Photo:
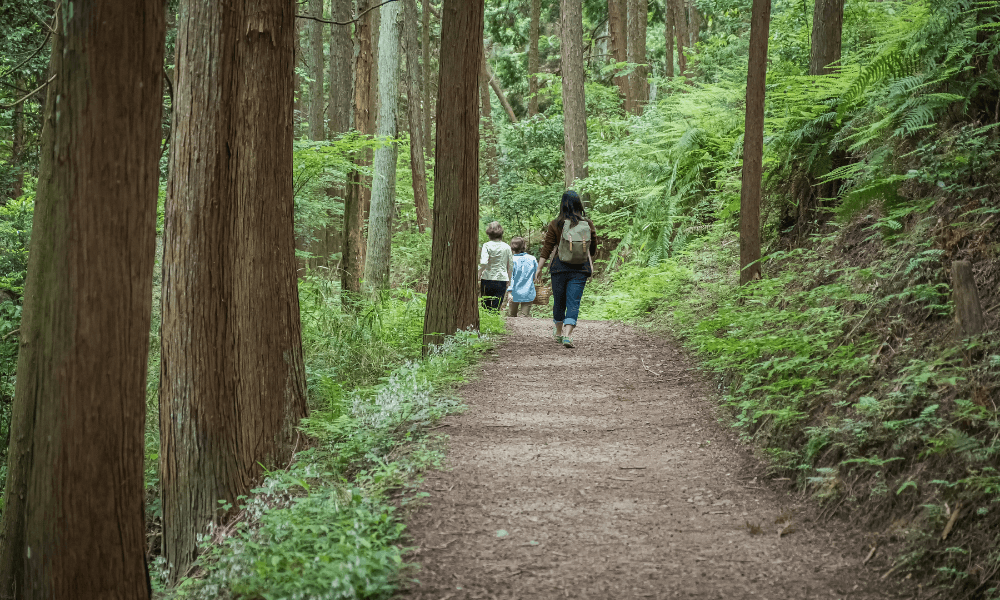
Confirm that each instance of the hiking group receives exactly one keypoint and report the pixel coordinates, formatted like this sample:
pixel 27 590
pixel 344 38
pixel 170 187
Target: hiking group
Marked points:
pixel 511 273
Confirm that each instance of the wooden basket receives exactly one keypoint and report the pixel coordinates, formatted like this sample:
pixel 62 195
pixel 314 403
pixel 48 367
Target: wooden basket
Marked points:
pixel 542 295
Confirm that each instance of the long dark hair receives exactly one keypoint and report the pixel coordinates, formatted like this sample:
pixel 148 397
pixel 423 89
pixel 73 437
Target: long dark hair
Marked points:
pixel 571 207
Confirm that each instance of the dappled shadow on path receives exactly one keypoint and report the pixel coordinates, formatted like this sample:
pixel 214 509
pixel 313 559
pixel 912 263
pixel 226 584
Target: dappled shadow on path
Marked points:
pixel 600 472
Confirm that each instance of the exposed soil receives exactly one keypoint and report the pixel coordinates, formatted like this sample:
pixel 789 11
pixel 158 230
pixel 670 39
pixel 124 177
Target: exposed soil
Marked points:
pixel 602 472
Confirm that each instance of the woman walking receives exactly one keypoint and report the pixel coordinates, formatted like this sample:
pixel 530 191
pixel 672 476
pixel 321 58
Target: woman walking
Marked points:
pixel 574 238
pixel 496 264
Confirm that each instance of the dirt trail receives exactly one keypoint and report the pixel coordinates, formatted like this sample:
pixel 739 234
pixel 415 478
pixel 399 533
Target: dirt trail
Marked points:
pixel 600 472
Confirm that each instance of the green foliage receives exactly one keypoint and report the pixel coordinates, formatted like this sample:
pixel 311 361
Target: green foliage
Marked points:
pixel 15 233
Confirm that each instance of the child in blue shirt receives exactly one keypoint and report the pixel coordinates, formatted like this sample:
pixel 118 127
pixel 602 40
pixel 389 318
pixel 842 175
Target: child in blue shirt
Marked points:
pixel 522 281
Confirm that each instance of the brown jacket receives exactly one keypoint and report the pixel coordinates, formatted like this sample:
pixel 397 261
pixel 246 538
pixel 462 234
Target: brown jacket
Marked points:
pixel 552 234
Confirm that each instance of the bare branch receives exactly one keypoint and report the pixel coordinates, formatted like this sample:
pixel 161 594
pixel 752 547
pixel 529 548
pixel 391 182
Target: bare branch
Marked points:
pixel 354 20
pixel 28 95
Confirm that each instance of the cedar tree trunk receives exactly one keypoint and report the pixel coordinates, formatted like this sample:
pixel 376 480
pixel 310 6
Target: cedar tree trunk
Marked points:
pixel 74 523
pixel 753 143
pixel 681 31
pixel 384 183
pixel 232 381
pixel 426 47
pixel 828 25
pixel 638 13
pixel 617 19
pixel 316 98
pixel 533 62
pixel 668 36
pixel 414 115
pixel 352 263
pixel 452 295
pixel 574 105
pixel 489 136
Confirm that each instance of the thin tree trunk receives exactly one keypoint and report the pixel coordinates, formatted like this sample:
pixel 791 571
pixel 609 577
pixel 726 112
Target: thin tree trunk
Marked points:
pixel 73 522
pixel 668 35
pixel 617 19
pixel 681 31
pixel 495 84
pixel 17 150
pixel 415 116
pixel 384 183
pixel 375 19
pixel 299 109
pixel 487 120
pixel 451 294
pixel 232 381
pixel 426 46
pixel 695 17
pixel 316 97
pixel 827 34
pixel 533 62
pixel 638 14
pixel 753 143
pixel 574 105
pixel 353 259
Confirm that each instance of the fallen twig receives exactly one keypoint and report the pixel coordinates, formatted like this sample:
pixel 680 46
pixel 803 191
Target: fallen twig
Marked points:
pixel 648 369
pixel 951 522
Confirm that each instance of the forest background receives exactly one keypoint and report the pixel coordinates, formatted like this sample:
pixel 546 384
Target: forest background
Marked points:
pixel 841 362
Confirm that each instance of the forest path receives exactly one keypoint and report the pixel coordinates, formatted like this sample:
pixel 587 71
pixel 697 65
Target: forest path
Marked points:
pixel 601 472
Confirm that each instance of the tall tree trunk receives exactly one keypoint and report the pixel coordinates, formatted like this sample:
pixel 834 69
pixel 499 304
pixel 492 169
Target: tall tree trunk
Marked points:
pixel 574 105
pixel 753 143
pixel 827 33
pixel 695 17
pixel 384 184
pixel 74 523
pixel 495 84
pixel 617 20
pixel 316 97
pixel 638 14
pixel 338 114
pixel 451 294
pixel 487 120
pixel 668 36
pixel 533 62
pixel 353 258
pixel 300 109
pixel 681 31
pixel 375 18
pixel 232 381
pixel 426 47
pixel 414 115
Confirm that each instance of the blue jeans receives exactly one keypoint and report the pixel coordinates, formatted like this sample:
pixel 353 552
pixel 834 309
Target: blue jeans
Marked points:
pixel 567 290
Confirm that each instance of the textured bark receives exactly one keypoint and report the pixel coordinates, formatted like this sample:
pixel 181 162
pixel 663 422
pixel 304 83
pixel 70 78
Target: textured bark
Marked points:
pixel 352 263
pixel 489 135
pixel 968 311
pixel 681 31
pixel 232 381
pixel 695 18
pixel 384 183
pixel 574 105
pixel 668 35
pixel 451 295
pixel 338 113
pixel 753 143
pixel 426 46
pixel 617 19
pixel 316 97
pixel 827 33
pixel 74 524
pixel 495 84
pixel 534 26
pixel 638 14
pixel 414 115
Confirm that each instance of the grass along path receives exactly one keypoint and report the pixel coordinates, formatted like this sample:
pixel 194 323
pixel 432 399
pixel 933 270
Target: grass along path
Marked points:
pixel 601 472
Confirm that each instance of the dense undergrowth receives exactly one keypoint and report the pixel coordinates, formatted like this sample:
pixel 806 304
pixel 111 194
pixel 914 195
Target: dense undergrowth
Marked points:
pixel 842 363
pixel 329 525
